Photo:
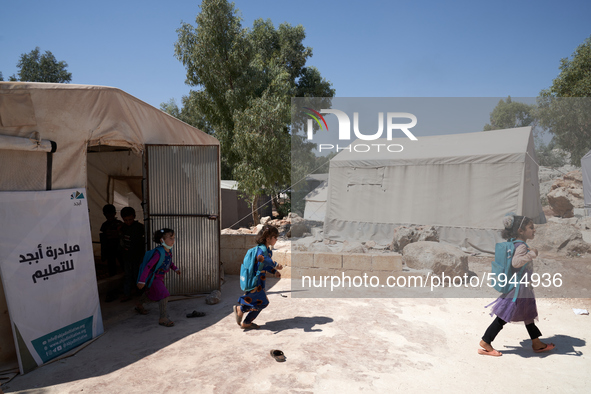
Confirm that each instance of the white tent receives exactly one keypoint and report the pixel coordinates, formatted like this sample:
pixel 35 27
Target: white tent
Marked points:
pixel 123 151
pixel 463 184
pixel 586 169
pixel 315 208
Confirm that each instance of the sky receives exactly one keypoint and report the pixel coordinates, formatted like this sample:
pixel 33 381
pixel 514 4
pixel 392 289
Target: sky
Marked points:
pixel 365 48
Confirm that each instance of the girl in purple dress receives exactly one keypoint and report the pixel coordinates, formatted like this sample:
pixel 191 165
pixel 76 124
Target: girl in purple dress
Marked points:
pixel 253 302
pixel 158 292
pixel 520 228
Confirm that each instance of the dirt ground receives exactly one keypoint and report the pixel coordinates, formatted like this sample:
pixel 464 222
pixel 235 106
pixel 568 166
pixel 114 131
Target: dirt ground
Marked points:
pixel 332 345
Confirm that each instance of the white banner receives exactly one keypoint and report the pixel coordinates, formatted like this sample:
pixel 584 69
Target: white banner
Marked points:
pixel 48 273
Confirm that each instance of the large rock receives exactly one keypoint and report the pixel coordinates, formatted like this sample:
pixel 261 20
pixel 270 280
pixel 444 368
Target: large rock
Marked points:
pixel 298 226
pixel 404 235
pixel 559 237
pixel 440 258
pixel 352 247
pixel 566 194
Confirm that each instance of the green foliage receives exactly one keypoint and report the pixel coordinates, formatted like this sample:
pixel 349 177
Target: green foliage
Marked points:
pixel 37 67
pixel 245 79
pixel 549 156
pixel 565 108
pixel 509 114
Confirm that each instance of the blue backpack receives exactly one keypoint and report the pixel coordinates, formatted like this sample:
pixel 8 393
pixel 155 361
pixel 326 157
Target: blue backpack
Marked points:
pixel 147 258
pixel 249 273
pixel 504 252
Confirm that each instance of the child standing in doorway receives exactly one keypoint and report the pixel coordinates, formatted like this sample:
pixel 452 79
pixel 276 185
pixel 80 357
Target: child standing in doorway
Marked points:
pixel 520 229
pixel 133 248
pixel 158 265
pixel 254 301
pixel 109 236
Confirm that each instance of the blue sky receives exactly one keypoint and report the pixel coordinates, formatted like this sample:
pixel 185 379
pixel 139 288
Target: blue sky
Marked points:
pixel 365 48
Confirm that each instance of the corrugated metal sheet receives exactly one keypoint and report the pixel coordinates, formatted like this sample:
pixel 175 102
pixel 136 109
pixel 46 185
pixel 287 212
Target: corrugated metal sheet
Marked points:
pixel 183 193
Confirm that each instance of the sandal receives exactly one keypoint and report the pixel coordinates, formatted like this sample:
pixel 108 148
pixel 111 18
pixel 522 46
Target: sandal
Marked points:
pixel 252 326
pixel 548 347
pixel 238 318
pixel 196 314
pixel 278 355
pixel 141 310
pixel 168 323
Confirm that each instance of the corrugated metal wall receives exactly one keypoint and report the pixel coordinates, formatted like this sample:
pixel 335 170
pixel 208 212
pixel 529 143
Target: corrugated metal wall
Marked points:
pixel 182 192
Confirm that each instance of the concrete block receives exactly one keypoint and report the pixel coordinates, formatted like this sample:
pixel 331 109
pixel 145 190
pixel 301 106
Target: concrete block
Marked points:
pixel 232 241
pixel 357 261
pixel 249 240
pixel 386 262
pixel 286 272
pixel 302 259
pixel 328 260
pixel 282 257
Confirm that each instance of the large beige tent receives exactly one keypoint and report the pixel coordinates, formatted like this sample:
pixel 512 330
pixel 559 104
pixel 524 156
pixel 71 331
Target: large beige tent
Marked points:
pixel 123 151
pixel 463 184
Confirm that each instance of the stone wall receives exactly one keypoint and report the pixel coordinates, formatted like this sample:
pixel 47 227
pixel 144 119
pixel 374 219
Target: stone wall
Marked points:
pixel 234 247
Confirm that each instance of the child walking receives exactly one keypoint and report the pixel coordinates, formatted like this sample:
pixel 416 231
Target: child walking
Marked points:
pixel 254 301
pixel 521 229
pixel 157 291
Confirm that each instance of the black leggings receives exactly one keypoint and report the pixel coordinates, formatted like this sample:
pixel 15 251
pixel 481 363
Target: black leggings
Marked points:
pixel 497 325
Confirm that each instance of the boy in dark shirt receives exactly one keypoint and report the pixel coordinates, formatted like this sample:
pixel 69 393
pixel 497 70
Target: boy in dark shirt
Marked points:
pixel 134 248
pixel 109 236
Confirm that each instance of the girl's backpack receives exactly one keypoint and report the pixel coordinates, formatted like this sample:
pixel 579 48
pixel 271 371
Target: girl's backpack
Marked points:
pixel 147 258
pixel 504 252
pixel 249 273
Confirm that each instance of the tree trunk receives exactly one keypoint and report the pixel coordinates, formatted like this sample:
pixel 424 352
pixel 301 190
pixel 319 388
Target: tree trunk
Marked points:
pixel 255 210
pixel 276 204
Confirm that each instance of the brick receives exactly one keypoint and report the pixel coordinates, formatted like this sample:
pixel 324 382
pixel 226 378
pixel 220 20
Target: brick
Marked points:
pixel 282 257
pixel 357 261
pixel 249 240
pixel 328 260
pixel 299 259
pixel 286 272
pixel 386 262
pixel 232 241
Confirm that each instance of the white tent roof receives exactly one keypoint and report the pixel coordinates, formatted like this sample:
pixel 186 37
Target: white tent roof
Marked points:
pixel 80 116
pixel 462 183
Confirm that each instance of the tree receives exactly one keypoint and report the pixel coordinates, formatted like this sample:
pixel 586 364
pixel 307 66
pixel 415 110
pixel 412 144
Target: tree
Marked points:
pixel 509 114
pixel 1 77
pixel 36 67
pixel 565 107
pixel 246 78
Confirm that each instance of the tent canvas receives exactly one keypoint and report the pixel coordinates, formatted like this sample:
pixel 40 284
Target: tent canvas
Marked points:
pixel 101 134
pixel 315 208
pixel 463 184
pixel 586 170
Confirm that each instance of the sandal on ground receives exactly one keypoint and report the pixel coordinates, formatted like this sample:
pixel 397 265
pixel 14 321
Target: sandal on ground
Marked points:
pixel 252 326
pixel 196 314
pixel 494 353
pixel 238 318
pixel 141 310
pixel 278 355
pixel 548 347
pixel 168 323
